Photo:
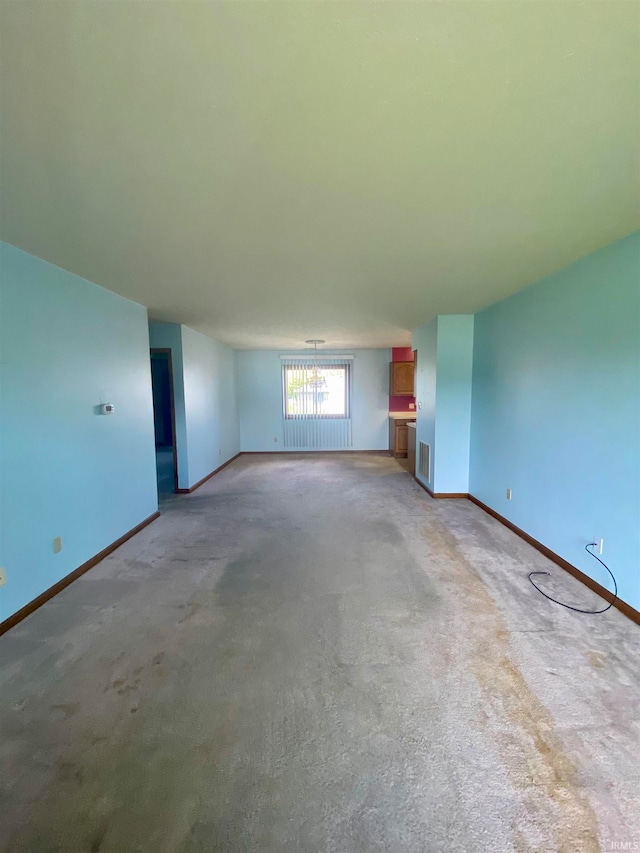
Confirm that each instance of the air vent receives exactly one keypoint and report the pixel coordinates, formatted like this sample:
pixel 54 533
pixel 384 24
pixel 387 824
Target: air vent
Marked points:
pixel 424 461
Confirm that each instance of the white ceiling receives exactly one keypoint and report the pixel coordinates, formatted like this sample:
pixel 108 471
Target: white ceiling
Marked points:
pixel 271 172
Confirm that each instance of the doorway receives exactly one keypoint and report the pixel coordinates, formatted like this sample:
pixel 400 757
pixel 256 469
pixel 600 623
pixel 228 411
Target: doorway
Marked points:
pixel 164 421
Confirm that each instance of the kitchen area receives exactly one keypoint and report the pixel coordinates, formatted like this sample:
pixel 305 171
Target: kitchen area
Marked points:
pixel 402 407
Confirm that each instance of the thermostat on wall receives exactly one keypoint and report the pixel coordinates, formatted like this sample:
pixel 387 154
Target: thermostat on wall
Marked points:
pixel 107 408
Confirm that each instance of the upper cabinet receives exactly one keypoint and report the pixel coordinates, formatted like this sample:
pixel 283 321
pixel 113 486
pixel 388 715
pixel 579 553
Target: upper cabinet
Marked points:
pixel 401 379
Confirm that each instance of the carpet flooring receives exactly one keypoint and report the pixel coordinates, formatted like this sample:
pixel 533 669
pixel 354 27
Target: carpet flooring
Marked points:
pixel 310 654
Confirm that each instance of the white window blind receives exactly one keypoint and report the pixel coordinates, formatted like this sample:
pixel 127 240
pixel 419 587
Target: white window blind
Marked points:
pixel 316 401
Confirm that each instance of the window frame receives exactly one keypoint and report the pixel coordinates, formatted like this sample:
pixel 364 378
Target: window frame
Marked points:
pixel 345 366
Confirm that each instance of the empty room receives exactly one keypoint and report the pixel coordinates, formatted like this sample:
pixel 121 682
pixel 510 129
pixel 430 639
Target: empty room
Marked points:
pixel 319 426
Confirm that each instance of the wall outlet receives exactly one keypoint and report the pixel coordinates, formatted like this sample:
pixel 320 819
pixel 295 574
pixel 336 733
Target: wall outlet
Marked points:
pixel 599 545
pixel 219 451
pixel 509 493
pixel 275 440
pixel 57 545
pixel 412 405
pixel 3 576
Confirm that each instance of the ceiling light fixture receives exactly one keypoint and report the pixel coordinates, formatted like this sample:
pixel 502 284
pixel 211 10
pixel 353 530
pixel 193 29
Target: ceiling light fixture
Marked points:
pixel 315 342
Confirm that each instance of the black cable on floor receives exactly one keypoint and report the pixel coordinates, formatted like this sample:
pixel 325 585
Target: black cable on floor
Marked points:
pixel 577 609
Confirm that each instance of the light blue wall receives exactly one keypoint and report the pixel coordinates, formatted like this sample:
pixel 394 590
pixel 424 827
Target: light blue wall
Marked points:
pixel 453 402
pixel 204 378
pixel 445 362
pixel 556 411
pixel 169 336
pixel 66 346
pixel 260 399
pixel 370 399
pixel 213 432
pixel 425 341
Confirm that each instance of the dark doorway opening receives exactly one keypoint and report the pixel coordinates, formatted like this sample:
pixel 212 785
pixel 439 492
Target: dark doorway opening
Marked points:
pixel 164 421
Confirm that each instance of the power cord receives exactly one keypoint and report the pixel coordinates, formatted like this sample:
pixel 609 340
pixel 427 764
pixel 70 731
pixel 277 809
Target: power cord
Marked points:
pixel 577 609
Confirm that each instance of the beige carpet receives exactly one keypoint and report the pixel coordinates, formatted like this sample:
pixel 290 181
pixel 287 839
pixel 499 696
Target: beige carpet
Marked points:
pixel 310 654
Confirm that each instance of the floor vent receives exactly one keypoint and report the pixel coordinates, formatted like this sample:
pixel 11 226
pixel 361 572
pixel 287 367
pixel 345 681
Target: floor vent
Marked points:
pixel 424 461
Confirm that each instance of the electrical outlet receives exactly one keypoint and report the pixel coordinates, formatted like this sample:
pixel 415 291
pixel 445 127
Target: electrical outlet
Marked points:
pixel 3 576
pixel 509 494
pixel 57 545
pixel 599 546
pixel 275 440
pixel 220 451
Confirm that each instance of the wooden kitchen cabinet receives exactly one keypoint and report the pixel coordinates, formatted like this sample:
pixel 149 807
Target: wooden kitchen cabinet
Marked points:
pixel 401 379
pixel 402 439
pixel 399 436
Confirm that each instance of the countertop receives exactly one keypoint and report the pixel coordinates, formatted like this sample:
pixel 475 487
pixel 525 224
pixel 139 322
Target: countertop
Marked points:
pixel 395 415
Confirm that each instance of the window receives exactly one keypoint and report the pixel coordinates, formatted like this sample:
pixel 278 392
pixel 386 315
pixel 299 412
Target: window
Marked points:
pixel 316 391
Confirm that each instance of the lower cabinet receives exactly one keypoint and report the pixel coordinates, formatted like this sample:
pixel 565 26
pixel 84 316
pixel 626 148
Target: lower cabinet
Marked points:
pixel 399 436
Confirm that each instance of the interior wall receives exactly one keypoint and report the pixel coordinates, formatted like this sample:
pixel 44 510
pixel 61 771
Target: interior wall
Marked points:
pixel 454 348
pixel 260 399
pixel 556 412
pixel 425 341
pixel 213 431
pixel 204 377
pixel 66 346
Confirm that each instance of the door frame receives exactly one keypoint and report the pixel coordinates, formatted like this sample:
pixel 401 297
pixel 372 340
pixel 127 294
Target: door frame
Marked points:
pixel 167 351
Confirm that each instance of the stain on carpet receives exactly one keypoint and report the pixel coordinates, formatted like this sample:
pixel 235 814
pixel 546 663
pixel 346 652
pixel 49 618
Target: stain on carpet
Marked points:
pixel 532 752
